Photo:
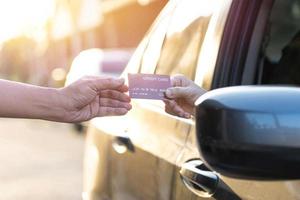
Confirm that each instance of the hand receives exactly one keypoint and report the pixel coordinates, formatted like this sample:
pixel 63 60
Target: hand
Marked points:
pixel 180 98
pixel 92 97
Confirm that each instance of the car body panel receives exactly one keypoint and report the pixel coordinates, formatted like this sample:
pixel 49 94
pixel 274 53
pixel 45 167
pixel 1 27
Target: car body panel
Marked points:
pixel 162 143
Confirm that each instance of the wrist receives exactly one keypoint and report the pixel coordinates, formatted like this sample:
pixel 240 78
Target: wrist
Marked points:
pixel 54 106
pixel 63 105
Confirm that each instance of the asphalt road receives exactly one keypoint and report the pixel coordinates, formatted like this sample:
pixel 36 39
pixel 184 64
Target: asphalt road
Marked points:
pixel 39 160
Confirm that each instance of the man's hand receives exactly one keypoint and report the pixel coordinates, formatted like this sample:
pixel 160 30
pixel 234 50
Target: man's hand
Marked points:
pixel 180 98
pixel 92 97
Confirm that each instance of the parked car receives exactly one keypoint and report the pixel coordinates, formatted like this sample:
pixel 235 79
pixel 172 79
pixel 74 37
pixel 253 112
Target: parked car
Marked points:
pixel 150 155
pixel 99 62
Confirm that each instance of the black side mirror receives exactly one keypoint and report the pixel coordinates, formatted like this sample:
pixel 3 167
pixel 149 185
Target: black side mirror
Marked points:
pixel 250 132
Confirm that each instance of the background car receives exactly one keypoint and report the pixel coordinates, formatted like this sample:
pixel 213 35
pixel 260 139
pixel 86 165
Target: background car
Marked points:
pixel 149 154
pixel 99 62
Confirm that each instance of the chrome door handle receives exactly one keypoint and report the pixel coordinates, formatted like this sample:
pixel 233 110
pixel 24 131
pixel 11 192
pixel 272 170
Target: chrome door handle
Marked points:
pixel 205 183
pixel 199 179
pixel 122 144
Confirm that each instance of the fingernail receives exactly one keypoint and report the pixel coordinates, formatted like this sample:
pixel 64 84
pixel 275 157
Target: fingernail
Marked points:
pixel 124 111
pixel 128 99
pixel 128 106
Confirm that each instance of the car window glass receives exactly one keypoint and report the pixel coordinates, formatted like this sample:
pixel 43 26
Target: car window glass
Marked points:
pixel 282 52
pixel 177 50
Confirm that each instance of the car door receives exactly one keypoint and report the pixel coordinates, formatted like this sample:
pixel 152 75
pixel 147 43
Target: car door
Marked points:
pixel 158 136
pixel 136 156
pixel 260 45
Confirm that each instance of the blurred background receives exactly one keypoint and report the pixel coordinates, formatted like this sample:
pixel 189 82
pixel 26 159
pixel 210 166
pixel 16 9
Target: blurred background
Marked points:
pixel 39 41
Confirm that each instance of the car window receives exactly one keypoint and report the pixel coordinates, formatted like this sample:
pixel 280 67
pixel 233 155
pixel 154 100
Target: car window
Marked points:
pixel 282 52
pixel 177 50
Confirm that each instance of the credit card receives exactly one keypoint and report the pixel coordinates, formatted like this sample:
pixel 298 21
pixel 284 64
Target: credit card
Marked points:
pixel 148 86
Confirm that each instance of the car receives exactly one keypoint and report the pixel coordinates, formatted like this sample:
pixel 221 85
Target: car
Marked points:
pixel 99 62
pixel 237 50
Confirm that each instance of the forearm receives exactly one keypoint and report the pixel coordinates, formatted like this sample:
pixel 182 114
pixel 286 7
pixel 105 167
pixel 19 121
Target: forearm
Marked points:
pixel 18 100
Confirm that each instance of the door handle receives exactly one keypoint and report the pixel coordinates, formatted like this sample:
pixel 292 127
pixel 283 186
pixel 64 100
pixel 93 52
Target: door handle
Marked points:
pixel 199 179
pixel 122 144
pixel 205 183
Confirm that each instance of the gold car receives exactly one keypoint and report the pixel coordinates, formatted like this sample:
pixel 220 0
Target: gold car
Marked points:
pixel 216 43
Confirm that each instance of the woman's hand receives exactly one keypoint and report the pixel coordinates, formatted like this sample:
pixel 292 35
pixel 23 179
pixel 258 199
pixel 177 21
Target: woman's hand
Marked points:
pixel 92 97
pixel 180 98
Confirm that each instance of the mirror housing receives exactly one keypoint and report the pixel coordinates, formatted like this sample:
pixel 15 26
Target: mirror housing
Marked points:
pixel 250 132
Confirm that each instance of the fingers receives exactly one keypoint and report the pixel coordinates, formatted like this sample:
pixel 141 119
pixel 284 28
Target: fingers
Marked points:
pixel 184 88
pixel 105 83
pixel 176 92
pixel 123 88
pixel 107 102
pixel 113 94
pixel 180 85
pixel 109 111
pixel 173 108
pixel 180 80
pixel 113 103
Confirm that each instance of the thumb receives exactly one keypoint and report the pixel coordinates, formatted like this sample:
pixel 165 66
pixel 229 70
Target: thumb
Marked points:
pixel 176 92
pixel 108 83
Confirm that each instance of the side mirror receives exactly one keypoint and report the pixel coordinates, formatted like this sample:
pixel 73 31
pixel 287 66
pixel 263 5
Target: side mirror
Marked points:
pixel 250 132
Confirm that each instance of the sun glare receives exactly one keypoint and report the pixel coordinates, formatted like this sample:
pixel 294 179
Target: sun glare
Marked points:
pixel 18 17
